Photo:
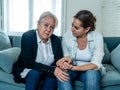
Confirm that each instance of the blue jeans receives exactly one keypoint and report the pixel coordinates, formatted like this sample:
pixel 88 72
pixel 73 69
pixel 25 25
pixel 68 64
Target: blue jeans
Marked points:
pixel 91 80
pixel 33 81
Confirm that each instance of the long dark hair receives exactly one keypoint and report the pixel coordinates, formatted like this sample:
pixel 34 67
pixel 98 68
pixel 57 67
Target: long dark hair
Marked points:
pixel 87 19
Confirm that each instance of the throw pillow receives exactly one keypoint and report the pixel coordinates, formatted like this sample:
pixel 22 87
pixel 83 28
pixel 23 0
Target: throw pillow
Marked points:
pixel 4 41
pixel 115 57
pixel 8 57
pixel 106 58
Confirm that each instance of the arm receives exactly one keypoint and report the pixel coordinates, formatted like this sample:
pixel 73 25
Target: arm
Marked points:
pixel 58 72
pixel 66 66
pixel 84 67
pixel 97 51
pixel 66 50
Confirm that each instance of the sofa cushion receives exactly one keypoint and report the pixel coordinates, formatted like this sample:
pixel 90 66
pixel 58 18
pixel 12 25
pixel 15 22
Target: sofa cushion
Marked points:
pixel 8 79
pixel 107 56
pixel 4 41
pixel 112 76
pixel 107 79
pixel 115 57
pixel 8 57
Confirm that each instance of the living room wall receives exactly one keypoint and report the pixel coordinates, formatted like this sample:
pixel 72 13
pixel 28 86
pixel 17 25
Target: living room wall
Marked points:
pixel 111 18
pixel 107 13
pixel 73 6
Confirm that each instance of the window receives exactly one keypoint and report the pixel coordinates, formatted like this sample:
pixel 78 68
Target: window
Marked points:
pixel 22 15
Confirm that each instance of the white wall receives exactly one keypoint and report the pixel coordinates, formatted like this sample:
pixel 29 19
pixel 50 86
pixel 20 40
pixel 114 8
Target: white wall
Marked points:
pixel 111 18
pixel 73 6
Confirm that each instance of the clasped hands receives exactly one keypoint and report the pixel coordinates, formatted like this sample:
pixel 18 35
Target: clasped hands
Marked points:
pixel 63 65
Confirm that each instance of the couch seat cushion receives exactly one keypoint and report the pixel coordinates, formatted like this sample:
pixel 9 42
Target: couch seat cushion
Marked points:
pixel 8 79
pixel 8 57
pixel 4 41
pixel 112 76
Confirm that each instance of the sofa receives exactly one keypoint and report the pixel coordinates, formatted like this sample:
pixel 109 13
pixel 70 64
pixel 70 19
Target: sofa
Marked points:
pixel 10 50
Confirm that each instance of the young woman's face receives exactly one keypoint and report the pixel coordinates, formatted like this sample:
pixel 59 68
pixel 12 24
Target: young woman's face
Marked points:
pixel 77 29
pixel 46 28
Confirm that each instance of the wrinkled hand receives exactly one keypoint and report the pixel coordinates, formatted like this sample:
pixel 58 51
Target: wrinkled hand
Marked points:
pixel 63 60
pixel 60 74
pixel 66 66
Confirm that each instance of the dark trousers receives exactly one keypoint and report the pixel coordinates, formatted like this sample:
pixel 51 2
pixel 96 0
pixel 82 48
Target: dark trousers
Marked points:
pixel 34 78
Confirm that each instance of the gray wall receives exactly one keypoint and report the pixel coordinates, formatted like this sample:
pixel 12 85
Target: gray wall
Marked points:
pixel 111 18
pixel 73 6
pixel 107 13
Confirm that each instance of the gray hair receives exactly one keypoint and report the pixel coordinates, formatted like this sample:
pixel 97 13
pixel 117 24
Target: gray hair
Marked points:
pixel 47 13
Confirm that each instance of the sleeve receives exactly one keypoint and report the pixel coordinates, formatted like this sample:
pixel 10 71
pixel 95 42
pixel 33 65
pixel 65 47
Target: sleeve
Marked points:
pixel 66 44
pixel 98 51
pixel 59 52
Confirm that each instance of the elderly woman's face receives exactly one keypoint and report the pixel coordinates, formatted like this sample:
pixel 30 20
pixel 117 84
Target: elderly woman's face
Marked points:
pixel 46 28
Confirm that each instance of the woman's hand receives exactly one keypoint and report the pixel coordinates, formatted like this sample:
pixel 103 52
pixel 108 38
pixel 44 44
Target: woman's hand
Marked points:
pixel 66 66
pixel 61 74
pixel 64 61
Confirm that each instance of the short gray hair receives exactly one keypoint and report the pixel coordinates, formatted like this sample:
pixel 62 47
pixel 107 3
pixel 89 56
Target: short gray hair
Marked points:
pixel 47 13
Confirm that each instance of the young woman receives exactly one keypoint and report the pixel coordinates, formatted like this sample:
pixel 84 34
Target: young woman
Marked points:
pixel 83 51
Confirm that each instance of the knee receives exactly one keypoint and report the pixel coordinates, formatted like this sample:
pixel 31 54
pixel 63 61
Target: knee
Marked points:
pixel 34 74
pixel 93 77
pixel 64 85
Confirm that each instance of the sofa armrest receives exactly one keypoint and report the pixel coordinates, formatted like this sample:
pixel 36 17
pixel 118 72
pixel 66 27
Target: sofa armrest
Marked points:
pixel 8 57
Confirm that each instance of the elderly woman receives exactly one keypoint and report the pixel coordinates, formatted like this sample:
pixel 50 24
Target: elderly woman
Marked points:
pixel 40 50
pixel 84 49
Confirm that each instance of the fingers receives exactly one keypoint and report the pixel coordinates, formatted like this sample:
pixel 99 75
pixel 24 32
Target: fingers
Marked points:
pixel 61 61
pixel 68 59
pixel 66 66
pixel 61 75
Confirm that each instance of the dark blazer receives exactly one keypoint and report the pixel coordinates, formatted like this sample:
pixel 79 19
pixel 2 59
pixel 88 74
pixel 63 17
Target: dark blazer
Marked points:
pixel 28 55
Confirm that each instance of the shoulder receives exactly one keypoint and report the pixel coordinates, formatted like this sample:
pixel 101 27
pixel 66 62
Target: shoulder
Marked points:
pixel 29 35
pixel 95 35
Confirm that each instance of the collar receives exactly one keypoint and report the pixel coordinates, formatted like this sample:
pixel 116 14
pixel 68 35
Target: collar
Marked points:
pixel 90 36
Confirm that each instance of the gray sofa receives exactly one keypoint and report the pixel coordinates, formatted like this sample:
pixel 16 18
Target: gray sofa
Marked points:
pixel 10 51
